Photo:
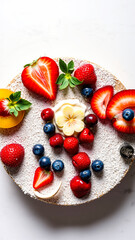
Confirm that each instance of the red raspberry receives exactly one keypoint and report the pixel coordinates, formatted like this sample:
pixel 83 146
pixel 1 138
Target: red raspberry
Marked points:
pixel 86 74
pixel 79 187
pixel 56 140
pixel 47 114
pixel 71 145
pixel 86 136
pixel 81 161
pixel 12 155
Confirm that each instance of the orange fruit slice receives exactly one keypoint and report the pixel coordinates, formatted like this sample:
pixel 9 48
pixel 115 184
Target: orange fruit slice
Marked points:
pixel 9 121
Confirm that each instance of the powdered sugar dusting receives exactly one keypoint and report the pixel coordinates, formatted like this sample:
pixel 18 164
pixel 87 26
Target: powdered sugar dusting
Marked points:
pixel 105 147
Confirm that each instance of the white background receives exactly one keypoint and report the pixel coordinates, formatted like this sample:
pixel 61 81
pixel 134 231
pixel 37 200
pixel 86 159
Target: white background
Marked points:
pixel 102 31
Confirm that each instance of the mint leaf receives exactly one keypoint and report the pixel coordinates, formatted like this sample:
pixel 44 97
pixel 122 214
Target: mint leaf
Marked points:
pixel 75 81
pixel 14 111
pixel 60 78
pixel 14 97
pixel 70 66
pixel 63 66
pixel 23 104
pixel 64 84
pixel 71 84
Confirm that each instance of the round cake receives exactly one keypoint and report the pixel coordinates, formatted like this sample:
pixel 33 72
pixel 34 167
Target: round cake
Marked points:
pixel 106 145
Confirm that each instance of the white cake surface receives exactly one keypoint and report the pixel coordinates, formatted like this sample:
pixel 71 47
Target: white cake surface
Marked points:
pixel 105 147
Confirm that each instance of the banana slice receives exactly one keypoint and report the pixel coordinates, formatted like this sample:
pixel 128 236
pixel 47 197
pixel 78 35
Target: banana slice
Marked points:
pixel 78 113
pixel 48 195
pixel 60 120
pixel 68 111
pixel 68 128
pixel 79 126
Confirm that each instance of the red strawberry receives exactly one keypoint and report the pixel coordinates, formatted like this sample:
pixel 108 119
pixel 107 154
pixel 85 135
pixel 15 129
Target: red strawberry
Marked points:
pixel 12 155
pixel 40 77
pixel 81 161
pixel 42 178
pixel 86 136
pixel 56 140
pixel 79 187
pixel 121 101
pixel 100 101
pixel 4 110
pixel 71 145
pixel 86 73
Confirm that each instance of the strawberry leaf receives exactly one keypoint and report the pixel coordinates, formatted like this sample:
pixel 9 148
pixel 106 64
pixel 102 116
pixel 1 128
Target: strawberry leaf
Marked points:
pixel 14 97
pixel 23 104
pixel 71 84
pixel 60 79
pixel 63 66
pixel 70 66
pixel 64 84
pixel 75 81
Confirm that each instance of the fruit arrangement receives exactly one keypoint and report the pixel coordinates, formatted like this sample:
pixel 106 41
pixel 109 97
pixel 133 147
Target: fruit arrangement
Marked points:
pixel 68 124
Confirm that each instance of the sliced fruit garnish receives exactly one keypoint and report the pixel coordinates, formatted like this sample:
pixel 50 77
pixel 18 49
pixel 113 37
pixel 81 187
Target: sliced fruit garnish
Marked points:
pixel 100 101
pixel 40 77
pixel 42 177
pixel 47 195
pixel 121 101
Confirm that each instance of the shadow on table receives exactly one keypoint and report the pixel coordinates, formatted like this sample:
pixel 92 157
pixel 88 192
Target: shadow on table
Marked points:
pixel 86 214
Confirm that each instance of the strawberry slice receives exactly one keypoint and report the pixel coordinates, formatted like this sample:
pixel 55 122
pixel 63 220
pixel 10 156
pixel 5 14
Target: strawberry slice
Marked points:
pixel 42 178
pixel 40 77
pixel 100 101
pixel 121 101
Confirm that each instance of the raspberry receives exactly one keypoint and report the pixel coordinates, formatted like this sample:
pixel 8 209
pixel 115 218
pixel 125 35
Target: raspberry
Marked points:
pixel 81 161
pixel 71 145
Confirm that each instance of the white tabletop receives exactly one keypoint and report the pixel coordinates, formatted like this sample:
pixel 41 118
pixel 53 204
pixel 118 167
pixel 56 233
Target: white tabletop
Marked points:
pixel 103 32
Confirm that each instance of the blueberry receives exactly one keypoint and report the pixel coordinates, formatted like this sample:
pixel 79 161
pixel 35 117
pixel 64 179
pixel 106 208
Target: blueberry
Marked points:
pixel 45 162
pixel 58 165
pixel 49 128
pixel 126 151
pixel 97 165
pixel 85 175
pixel 87 92
pixel 128 114
pixel 38 149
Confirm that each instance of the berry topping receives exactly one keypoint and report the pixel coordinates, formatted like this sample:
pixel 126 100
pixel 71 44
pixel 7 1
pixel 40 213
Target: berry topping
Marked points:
pixel 81 161
pixel 47 114
pixel 87 92
pixel 79 187
pixel 49 128
pixel 40 77
pixel 38 149
pixel 126 151
pixel 86 74
pixel 97 165
pixel 71 145
pixel 56 140
pixel 45 163
pixel 12 155
pixel 91 120
pixel 58 166
pixel 100 101
pixel 42 178
pixel 85 175
pixel 86 136
pixel 66 79
pixel 128 114
pixel 121 101
pixel 70 119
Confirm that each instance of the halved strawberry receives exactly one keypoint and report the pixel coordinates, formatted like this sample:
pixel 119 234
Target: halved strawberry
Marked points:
pixel 100 101
pixel 121 101
pixel 42 178
pixel 40 77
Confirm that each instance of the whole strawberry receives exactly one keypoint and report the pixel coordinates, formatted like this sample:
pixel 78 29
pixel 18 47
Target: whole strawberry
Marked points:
pixel 71 145
pixel 12 155
pixel 86 73
pixel 79 187
pixel 86 136
pixel 81 161
pixel 56 140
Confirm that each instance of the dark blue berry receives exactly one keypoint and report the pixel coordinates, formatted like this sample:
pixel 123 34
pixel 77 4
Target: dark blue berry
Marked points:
pixel 58 165
pixel 85 175
pixel 126 151
pixel 49 128
pixel 87 92
pixel 38 149
pixel 45 163
pixel 97 165
pixel 128 114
